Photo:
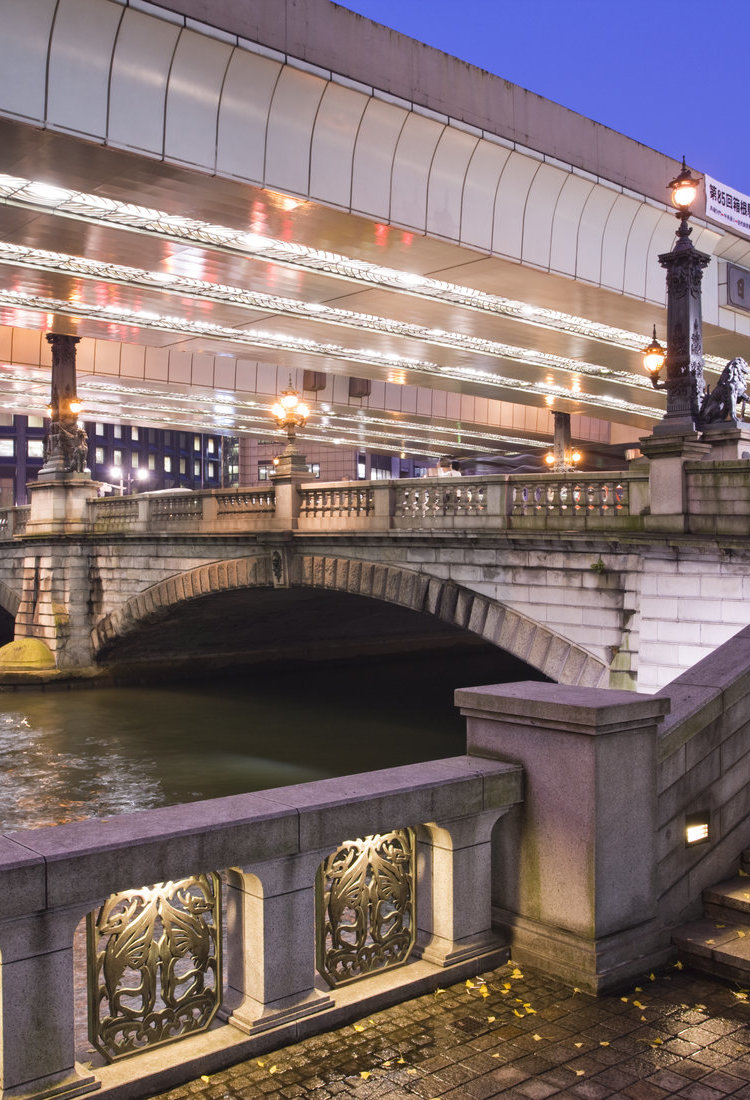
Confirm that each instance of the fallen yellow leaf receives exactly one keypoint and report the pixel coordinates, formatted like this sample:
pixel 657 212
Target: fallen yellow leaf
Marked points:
pixel 537 1038
pixel 624 1000
pixel 412 1071
pixel 274 1069
pixel 484 991
pixel 678 965
pixel 469 983
pixel 491 1019
pixel 741 996
pixel 494 1056
pixel 580 1072
pixel 401 1061
pixel 204 1077
pixel 639 1004
pixel 516 973
pixel 638 989
pixel 741 933
pixel 364 1074
pixel 603 1044
pixel 439 991
pixel 387 1065
pixel 259 1063
pixel 517 1013
pixel 652 977
pixel 743 874
pixel 576 989
pixel 358 1027
pixel 643 1018
pixel 577 1044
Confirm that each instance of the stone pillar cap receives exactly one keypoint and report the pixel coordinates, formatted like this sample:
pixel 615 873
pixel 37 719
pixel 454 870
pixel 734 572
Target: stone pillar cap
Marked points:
pixel 576 709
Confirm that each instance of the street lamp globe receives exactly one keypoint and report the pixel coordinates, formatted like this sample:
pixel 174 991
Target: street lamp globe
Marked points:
pixel 684 189
pixel 653 359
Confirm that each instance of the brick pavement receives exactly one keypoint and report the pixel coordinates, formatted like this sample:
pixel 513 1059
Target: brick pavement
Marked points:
pixel 518 1033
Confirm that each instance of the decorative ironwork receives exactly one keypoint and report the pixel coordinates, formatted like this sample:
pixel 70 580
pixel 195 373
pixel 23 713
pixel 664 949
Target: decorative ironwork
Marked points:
pixel 154 963
pixel 366 906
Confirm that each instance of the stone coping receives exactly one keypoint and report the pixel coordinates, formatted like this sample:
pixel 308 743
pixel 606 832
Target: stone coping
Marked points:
pixel 79 863
pixel 579 709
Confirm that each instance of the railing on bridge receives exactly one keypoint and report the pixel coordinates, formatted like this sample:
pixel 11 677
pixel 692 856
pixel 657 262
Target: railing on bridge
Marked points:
pixel 717 502
pixel 322 890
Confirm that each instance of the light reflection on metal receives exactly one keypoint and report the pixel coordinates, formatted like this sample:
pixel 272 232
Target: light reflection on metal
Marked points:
pixel 149 320
pixel 365 895
pixel 22 192
pixel 154 965
pixel 38 259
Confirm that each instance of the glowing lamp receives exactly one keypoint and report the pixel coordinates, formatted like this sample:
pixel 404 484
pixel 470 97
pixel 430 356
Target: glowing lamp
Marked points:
pixel 696 829
pixel 75 406
pixel 576 456
pixel 684 188
pixel 549 458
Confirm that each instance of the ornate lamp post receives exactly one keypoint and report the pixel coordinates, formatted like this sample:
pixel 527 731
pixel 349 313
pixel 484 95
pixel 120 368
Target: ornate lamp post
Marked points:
pixel 563 456
pixel 291 414
pixel 66 449
pixel 684 383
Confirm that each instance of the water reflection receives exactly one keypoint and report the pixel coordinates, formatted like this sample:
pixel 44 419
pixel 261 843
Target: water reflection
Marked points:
pixel 95 753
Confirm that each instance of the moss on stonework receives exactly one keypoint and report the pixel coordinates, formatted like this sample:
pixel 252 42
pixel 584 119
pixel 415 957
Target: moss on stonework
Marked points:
pixel 26 654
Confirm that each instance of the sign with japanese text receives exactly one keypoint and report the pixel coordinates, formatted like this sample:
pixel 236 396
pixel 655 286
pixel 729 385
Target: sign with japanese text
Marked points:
pixel 725 205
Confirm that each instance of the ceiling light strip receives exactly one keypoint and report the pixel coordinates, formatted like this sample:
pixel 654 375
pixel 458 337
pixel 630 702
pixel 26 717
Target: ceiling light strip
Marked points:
pixel 23 192
pixel 371 357
pixel 61 263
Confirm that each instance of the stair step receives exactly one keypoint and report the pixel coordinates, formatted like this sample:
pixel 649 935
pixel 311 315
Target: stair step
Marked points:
pixel 729 901
pixel 716 947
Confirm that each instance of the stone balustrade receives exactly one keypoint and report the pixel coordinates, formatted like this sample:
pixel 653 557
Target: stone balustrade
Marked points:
pixel 494 502
pixel 269 847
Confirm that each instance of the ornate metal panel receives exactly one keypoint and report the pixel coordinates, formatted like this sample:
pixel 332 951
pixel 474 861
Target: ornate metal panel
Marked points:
pixel 154 963
pixel 366 906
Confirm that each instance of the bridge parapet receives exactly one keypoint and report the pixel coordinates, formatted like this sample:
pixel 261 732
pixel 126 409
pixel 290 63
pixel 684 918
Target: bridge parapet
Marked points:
pixel 717 503
pixel 270 845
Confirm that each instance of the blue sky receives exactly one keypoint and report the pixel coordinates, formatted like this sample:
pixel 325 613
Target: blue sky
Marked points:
pixel 673 75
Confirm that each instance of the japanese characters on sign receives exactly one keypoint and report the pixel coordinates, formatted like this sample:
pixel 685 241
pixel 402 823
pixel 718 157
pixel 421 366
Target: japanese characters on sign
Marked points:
pixel 725 205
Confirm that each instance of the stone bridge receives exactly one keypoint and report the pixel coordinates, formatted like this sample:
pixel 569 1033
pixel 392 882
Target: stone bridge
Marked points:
pixel 574 576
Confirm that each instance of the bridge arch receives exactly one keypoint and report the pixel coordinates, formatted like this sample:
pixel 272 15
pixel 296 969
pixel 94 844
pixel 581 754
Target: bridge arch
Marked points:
pixel 456 605
pixel 9 599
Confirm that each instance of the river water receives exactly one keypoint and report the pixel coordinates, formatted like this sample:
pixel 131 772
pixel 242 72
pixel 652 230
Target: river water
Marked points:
pixel 67 755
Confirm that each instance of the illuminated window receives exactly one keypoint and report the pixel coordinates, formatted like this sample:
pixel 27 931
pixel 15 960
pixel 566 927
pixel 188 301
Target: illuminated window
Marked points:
pixel 196 469
pixel 196 442
pixel 135 460
pixel 98 429
pixel 36 422
pixel 183 466
pixel 6 420
pixel 264 470
pixel 117 431
pixel 134 433
pixel 117 458
pixel 152 462
pixel 211 446
pixel 167 464
pixel 35 448
pixel 99 456
pixel 6 448
pixel 314 468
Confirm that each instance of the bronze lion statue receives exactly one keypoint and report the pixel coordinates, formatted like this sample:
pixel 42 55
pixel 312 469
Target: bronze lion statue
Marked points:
pixel 722 402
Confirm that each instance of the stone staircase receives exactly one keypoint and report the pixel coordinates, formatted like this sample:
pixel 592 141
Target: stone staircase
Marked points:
pixel 720 942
